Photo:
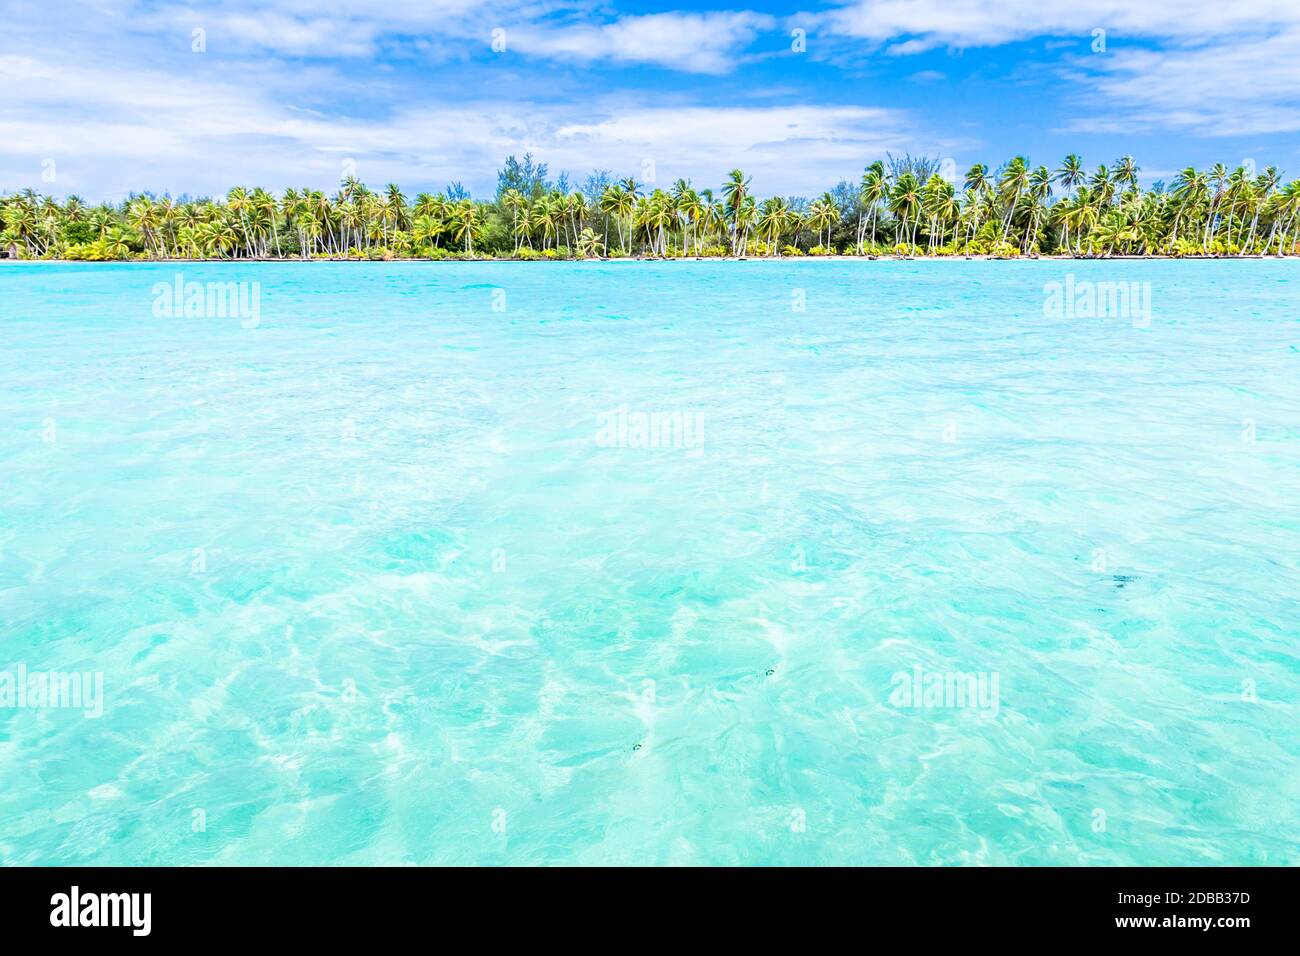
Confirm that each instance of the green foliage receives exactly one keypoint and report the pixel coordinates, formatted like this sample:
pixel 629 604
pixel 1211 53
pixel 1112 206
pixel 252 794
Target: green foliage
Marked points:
pixel 903 207
pixel 78 232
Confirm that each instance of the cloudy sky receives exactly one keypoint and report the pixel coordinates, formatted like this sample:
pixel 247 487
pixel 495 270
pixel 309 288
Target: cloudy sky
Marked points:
pixel 102 97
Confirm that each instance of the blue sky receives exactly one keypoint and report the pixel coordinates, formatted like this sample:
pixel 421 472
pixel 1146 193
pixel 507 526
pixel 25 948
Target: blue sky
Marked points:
pixel 100 98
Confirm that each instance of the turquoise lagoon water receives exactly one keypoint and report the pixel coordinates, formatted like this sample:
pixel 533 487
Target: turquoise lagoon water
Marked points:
pixel 372 582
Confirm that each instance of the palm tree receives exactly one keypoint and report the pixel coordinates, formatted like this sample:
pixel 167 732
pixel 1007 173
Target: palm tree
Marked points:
pixel 589 244
pixel 1070 174
pixel 237 201
pixel 904 203
pixel 611 205
pixel 1012 182
pixel 872 192
pixel 1190 190
pixel 468 224
pixel 394 208
pixel 735 192
pixel 658 215
pixel 1038 192
pixel 1062 215
pixel 1288 217
pixel 545 218
pixel 1263 189
pixel 1102 213
pixel 514 201
pixel 690 207
pixel 1102 186
pixel 977 179
pixel 624 199
pixel 349 216
pixel 715 215
pixel 1126 171
pixel 425 231
pixel 822 214
pixel 264 214
pixel 575 206
pixel 116 244
pixel 774 217
pixel 744 219
pixel 941 208
pixel 142 216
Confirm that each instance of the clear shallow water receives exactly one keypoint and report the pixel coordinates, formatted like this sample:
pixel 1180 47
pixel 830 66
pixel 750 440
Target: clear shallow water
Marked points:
pixel 431 596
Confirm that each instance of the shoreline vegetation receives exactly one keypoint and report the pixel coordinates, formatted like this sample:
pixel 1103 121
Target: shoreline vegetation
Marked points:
pixel 901 208
pixel 631 260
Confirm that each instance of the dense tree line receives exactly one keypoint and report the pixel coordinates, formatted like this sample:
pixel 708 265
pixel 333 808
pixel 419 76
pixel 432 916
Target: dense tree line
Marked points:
pixel 899 206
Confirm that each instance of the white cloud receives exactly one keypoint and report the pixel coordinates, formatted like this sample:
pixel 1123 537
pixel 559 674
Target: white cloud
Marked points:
pixel 1215 69
pixel 328 28
pixel 702 43
pixel 563 30
pixel 203 134
pixel 925 24
pixel 799 149
pixel 1218 89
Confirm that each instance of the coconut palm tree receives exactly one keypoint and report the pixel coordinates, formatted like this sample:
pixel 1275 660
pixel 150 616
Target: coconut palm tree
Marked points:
pixel 1191 192
pixel 1263 188
pixel 1288 217
pixel 1011 183
pixel 823 214
pixel 774 217
pixel 589 244
pixel 690 209
pixel 1070 174
pixel 872 190
pixel 905 203
pixel 941 208
pixel 467 223
pixel 575 208
pixel 425 231
pixel 394 209
pixel 1037 192
pixel 1126 171
pixel 1102 213
pixel 1102 185
pixel 513 201
pixel 1218 178
pixel 735 194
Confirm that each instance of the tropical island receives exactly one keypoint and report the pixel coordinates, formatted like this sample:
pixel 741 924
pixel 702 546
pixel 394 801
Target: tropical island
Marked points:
pixel 900 207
